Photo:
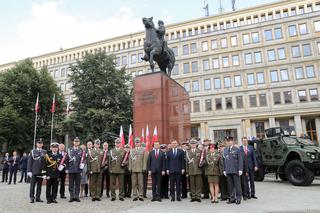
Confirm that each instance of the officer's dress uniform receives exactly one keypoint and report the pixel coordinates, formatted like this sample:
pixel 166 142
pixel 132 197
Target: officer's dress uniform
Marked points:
pixel 52 173
pixel 195 173
pixel 116 172
pixel 94 161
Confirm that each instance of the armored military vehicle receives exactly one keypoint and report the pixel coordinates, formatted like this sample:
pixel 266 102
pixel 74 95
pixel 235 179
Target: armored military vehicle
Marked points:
pixel 291 158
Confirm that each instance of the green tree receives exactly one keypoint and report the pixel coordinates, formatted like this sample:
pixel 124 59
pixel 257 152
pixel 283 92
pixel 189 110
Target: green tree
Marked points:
pixel 18 91
pixel 103 101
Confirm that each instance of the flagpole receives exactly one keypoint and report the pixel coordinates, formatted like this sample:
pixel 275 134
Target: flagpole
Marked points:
pixel 51 127
pixel 52 110
pixel 35 122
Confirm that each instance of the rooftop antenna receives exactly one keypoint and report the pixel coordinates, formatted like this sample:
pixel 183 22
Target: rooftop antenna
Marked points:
pixel 233 2
pixel 206 7
pixel 220 6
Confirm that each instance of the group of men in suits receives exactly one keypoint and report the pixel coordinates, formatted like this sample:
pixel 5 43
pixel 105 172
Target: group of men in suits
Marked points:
pixel 11 165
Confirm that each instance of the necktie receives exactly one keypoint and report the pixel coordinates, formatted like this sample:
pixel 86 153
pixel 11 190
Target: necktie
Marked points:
pixel 245 150
pixel 157 154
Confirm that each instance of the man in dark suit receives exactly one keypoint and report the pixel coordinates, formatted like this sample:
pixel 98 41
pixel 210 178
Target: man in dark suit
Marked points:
pixel 5 170
pixel 184 178
pixel 14 166
pixel 35 170
pixel 156 168
pixel 62 173
pixel 250 165
pixel 175 168
pixel 164 178
pixel 23 167
pixel 233 169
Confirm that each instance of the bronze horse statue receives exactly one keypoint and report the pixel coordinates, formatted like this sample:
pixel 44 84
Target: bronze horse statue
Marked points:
pixel 155 47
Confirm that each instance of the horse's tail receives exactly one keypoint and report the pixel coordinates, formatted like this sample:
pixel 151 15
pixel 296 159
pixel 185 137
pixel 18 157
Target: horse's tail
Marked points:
pixel 172 60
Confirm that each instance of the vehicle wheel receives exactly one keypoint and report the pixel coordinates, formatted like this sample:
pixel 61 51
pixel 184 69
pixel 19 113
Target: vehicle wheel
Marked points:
pixel 298 174
pixel 283 177
pixel 259 175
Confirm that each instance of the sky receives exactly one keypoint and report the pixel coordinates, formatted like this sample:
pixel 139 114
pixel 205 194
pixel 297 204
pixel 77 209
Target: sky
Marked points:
pixel 33 27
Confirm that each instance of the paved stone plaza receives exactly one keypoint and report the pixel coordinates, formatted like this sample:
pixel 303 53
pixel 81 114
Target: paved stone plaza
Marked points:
pixel 274 196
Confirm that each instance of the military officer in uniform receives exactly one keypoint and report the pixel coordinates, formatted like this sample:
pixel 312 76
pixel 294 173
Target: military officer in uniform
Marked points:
pixel 165 177
pixel 184 179
pixel 127 175
pixel 223 182
pixel 137 164
pixel 35 170
pixel 74 166
pixel 52 162
pixel 116 170
pixel 62 173
pixel 145 173
pixel 233 167
pixel 94 160
pixel 193 171
pixel 105 170
pixel 205 184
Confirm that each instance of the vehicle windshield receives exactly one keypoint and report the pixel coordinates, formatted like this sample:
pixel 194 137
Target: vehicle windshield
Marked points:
pixel 306 141
pixel 290 140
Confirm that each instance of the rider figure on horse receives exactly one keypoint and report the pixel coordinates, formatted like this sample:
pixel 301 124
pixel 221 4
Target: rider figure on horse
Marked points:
pixel 161 31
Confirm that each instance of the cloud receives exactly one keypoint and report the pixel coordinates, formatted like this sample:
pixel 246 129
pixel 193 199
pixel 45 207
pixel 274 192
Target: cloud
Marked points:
pixel 48 28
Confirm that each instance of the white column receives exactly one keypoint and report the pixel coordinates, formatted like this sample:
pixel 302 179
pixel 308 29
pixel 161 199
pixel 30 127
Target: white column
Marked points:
pixel 317 121
pixel 298 124
pixel 272 122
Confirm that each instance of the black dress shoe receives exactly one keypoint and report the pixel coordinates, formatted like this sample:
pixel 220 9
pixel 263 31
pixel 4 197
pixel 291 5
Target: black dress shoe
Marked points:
pixel 71 200
pixel 54 201
pixel 113 199
pixel 93 199
pixel 159 200
pixel 48 202
pixel 199 200
pixel 216 201
pixel 135 199
pixel 32 201
pixel 192 200
pixel 254 197
pixel 39 200
pixel 178 199
pixel 245 198
pixel 141 199
pixel 77 200
pixel 172 199
pixel 63 197
pixel 231 201
pixel 98 199
pixel 153 199
pixel 238 202
pixel 121 199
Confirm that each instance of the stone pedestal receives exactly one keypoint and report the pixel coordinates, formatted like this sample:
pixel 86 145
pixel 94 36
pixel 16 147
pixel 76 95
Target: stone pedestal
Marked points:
pixel 160 101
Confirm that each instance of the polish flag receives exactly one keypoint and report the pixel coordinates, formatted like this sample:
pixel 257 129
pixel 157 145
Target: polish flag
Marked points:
pixel 53 107
pixel 147 139
pixel 121 136
pixel 142 136
pixel 37 108
pixel 154 136
pixel 131 143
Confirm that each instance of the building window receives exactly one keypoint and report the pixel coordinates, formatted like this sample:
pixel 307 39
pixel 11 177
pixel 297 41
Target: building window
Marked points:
pixel 205 65
pixel 278 33
pixel 239 102
pixel 268 35
pixel 281 53
pixel 208 105
pixel 303 29
pixel 207 84
pixel 234 41
pixel 218 103
pixel 185 49
pixel 225 61
pixel 190 32
pixel 227 82
pixel 196 106
pixel 293 12
pixel 301 10
pixel 260 131
pixel 186 68
pixel 214 44
pixel 250 79
pixel 299 73
pixel 235 60
pixel 313 94
pixel 253 100
pixel 257 57
pixel 195 86
pixel 248 58
pixel 271 55
pixel 140 56
pixel 318 47
pixel 246 38
pixel 274 76
pixel 306 50
pixel 311 130
pixel 205 46
pixel 229 103
pixel 317 7
pixel 175 70
pixel 217 83
pixel 284 75
pixel 186 85
pixel 63 72
pixel 276 98
pixel 237 80
pixel 255 37
pixel 263 100
pixel 124 60
pixel 302 95
pixel 224 43
pixel 295 50
pixel 133 59
pixel 194 66
pixel 310 71
pixel 118 61
pixel 317 26
pixel 260 78
pixel 56 73
pixel 292 30
pixel 215 63
pixel 193 47
pixel 175 50
pixel 287 97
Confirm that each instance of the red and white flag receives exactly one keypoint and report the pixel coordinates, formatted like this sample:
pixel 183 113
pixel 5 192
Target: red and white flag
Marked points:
pixel 121 136
pixel 147 139
pixel 68 106
pixel 142 136
pixel 131 143
pixel 53 107
pixel 37 108
pixel 154 136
